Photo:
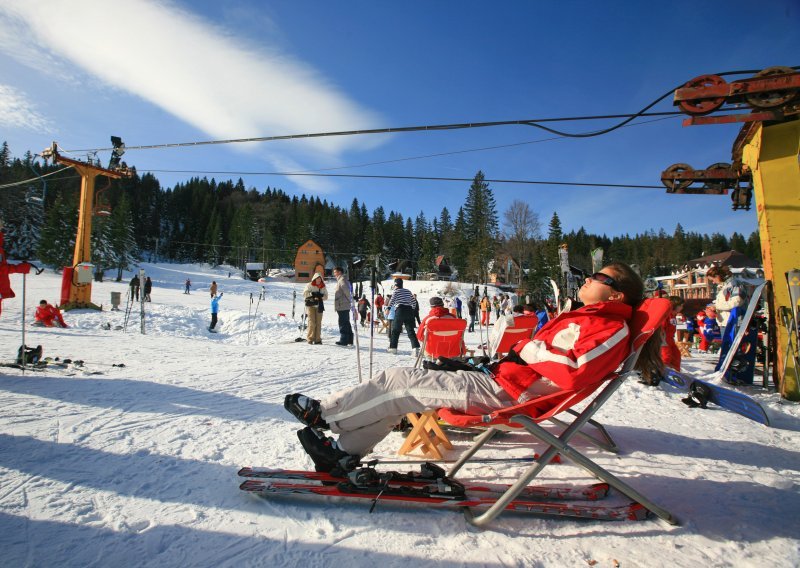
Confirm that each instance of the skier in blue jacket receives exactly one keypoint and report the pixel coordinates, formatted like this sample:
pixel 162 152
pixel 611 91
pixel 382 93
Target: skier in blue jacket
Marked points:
pixel 214 311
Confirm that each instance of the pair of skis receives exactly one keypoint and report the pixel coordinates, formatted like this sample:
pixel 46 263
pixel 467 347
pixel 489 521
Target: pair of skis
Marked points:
pixel 433 488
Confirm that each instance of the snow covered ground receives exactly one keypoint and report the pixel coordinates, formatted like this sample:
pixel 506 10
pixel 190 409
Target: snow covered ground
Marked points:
pixel 136 466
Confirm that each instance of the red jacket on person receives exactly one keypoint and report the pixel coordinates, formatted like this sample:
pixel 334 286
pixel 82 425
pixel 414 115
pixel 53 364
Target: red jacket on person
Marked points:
pixel 5 270
pixel 573 350
pixel 436 312
pixel 49 314
pixel 670 354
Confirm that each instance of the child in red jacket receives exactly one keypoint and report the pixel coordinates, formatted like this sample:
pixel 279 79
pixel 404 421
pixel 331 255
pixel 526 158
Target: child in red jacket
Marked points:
pixel 48 315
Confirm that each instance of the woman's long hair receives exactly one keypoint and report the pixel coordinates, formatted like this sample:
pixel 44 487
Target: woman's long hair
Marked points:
pixel 631 285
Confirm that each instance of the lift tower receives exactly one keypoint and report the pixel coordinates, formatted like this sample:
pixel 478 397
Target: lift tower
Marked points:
pixel 765 166
pixel 76 282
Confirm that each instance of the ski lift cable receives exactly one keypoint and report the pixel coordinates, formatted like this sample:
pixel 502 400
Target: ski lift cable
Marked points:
pixel 468 150
pixel 420 128
pixel 421 178
pixel 526 122
pixel 23 182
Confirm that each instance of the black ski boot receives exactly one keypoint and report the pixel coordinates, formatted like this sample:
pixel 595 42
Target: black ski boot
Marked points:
pixel 324 452
pixel 306 410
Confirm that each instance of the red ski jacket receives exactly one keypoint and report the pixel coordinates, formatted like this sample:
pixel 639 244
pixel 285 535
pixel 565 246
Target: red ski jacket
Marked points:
pixel 670 354
pixel 49 314
pixel 573 350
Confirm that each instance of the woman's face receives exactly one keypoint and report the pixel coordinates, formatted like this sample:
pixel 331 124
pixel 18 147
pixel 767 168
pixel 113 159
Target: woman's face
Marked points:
pixel 596 291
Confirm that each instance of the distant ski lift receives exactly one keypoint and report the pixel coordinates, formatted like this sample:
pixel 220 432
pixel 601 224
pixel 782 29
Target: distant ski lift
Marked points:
pixel 101 206
pixel 32 195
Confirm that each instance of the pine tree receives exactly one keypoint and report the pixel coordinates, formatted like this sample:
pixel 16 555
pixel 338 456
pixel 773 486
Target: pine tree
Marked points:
pixel 123 238
pixel 555 237
pixel 103 256
pixel 57 243
pixel 23 219
pixel 481 229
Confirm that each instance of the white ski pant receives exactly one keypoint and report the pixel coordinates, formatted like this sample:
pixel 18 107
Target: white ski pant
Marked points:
pixel 366 414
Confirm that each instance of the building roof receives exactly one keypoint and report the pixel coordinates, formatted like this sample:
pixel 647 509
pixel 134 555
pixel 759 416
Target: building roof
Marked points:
pixel 731 259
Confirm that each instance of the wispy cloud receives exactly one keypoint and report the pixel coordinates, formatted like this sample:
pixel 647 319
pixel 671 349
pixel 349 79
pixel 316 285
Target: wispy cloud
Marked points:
pixel 17 112
pixel 189 67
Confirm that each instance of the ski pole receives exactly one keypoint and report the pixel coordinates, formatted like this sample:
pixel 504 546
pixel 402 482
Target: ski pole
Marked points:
pixel 355 332
pixel 24 355
pixel 249 318
pixel 371 319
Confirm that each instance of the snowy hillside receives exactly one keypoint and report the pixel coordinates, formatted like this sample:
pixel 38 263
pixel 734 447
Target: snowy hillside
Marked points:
pixel 102 465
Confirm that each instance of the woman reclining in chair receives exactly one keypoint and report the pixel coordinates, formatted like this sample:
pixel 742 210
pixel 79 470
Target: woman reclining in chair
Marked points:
pixel 574 350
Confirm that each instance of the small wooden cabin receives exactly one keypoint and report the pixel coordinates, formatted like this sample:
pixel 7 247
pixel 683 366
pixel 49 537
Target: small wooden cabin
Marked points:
pixel 310 258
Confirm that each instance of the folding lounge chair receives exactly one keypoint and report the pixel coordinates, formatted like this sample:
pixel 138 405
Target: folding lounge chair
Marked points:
pixel 523 328
pixel 444 337
pixel 647 319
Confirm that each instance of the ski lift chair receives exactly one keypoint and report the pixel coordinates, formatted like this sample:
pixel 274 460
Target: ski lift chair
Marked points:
pixel 444 337
pixel 101 207
pixel 648 317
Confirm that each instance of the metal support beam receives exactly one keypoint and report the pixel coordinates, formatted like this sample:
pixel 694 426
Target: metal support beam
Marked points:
pixel 771 153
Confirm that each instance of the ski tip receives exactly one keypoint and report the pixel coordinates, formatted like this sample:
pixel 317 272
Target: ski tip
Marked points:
pixel 598 491
pixel 638 512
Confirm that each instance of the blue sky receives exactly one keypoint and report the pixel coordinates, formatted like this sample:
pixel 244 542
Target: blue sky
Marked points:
pixel 162 72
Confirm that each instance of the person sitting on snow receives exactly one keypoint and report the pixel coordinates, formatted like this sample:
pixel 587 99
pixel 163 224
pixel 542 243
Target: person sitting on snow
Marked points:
pixel 48 315
pixel 572 351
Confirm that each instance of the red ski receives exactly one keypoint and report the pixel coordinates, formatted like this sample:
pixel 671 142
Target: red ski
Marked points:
pixel 437 496
pixel 563 493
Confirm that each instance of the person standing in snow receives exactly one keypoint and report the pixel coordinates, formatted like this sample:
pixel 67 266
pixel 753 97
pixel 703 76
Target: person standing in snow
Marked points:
pixel 363 309
pixel 213 288
pixel 187 286
pixel 315 293
pixel 731 293
pixel 342 301
pixel 472 309
pixel 486 309
pixel 214 311
pixel 148 287
pixel 134 284
pixel 403 303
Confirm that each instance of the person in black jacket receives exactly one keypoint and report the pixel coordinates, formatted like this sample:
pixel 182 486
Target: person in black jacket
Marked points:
pixel 404 304
pixel 472 307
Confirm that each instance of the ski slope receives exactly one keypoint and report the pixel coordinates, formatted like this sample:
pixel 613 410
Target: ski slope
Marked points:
pixel 102 465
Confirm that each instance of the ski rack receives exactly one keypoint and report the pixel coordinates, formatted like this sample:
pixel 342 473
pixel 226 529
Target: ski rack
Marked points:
pixel 773 93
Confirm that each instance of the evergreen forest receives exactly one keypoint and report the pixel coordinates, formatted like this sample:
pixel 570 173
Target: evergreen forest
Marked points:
pixel 205 220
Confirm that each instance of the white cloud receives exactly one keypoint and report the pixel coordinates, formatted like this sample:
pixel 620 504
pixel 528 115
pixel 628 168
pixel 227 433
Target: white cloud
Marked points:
pixel 188 67
pixel 17 112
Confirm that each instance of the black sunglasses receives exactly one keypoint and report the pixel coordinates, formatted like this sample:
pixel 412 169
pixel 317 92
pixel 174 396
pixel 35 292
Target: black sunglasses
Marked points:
pixel 604 279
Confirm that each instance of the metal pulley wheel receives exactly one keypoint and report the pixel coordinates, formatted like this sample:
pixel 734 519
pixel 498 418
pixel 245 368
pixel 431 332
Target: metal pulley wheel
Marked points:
pixel 675 184
pixel 718 184
pixel 703 106
pixel 772 99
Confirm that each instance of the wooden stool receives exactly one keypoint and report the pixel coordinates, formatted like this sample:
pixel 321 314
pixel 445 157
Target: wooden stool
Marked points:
pixel 425 434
